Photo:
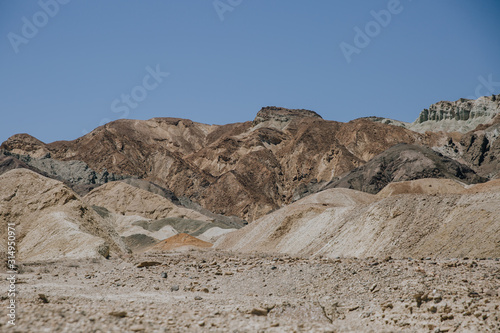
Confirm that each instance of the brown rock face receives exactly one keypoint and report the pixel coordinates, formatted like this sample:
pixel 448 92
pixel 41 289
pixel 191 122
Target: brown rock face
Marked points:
pixel 243 169
pixel 403 163
pixel 25 144
pixel 481 149
pixel 282 114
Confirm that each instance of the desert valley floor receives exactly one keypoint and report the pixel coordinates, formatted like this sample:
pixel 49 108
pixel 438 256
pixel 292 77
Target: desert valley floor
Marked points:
pixel 214 291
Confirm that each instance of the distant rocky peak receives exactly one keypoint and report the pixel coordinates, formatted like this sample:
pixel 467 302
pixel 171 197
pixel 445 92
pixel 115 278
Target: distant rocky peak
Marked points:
pixel 25 144
pixel 462 109
pixel 462 115
pixel 283 115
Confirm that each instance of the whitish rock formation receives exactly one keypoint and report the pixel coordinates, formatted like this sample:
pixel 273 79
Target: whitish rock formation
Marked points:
pixel 463 115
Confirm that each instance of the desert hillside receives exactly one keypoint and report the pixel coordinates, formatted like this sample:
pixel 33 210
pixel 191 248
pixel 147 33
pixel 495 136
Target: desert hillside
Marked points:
pixel 250 169
pixel 350 224
pixel 51 221
pixel 149 180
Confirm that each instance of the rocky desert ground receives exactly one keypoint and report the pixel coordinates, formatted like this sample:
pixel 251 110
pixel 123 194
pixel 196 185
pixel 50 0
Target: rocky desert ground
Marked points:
pixel 214 291
pixel 287 223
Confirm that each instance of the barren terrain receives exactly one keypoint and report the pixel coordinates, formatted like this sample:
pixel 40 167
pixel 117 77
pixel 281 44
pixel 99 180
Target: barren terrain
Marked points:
pixel 289 223
pixel 216 291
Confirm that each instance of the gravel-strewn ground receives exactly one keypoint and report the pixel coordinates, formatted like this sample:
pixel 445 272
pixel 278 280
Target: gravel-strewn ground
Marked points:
pixel 219 292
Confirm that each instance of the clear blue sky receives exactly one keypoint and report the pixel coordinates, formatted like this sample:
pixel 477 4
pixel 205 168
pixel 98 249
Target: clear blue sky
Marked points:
pixel 66 76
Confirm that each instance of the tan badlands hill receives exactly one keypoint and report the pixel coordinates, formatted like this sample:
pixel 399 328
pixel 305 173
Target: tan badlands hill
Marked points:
pixel 471 129
pixel 293 229
pixel 143 218
pixel 180 242
pixel 125 199
pixel 51 221
pixel 491 186
pixel 408 225
pixel 422 186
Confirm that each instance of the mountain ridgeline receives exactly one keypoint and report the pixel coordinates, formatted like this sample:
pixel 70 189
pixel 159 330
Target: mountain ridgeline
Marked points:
pixel 250 169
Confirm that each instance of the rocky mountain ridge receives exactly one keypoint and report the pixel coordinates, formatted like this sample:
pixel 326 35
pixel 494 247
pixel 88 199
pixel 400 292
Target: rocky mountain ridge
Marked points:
pixel 250 169
pixel 463 115
pixel 233 169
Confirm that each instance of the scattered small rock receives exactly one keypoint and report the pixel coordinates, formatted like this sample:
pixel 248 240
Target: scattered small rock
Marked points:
pixel 258 312
pixel 387 305
pixel 119 314
pixel 447 317
pixel 148 264
pixel 43 298
pixel 437 298
pixel 137 328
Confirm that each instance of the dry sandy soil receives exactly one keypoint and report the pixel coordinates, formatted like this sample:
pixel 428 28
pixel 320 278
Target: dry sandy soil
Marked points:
pixel 226 292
